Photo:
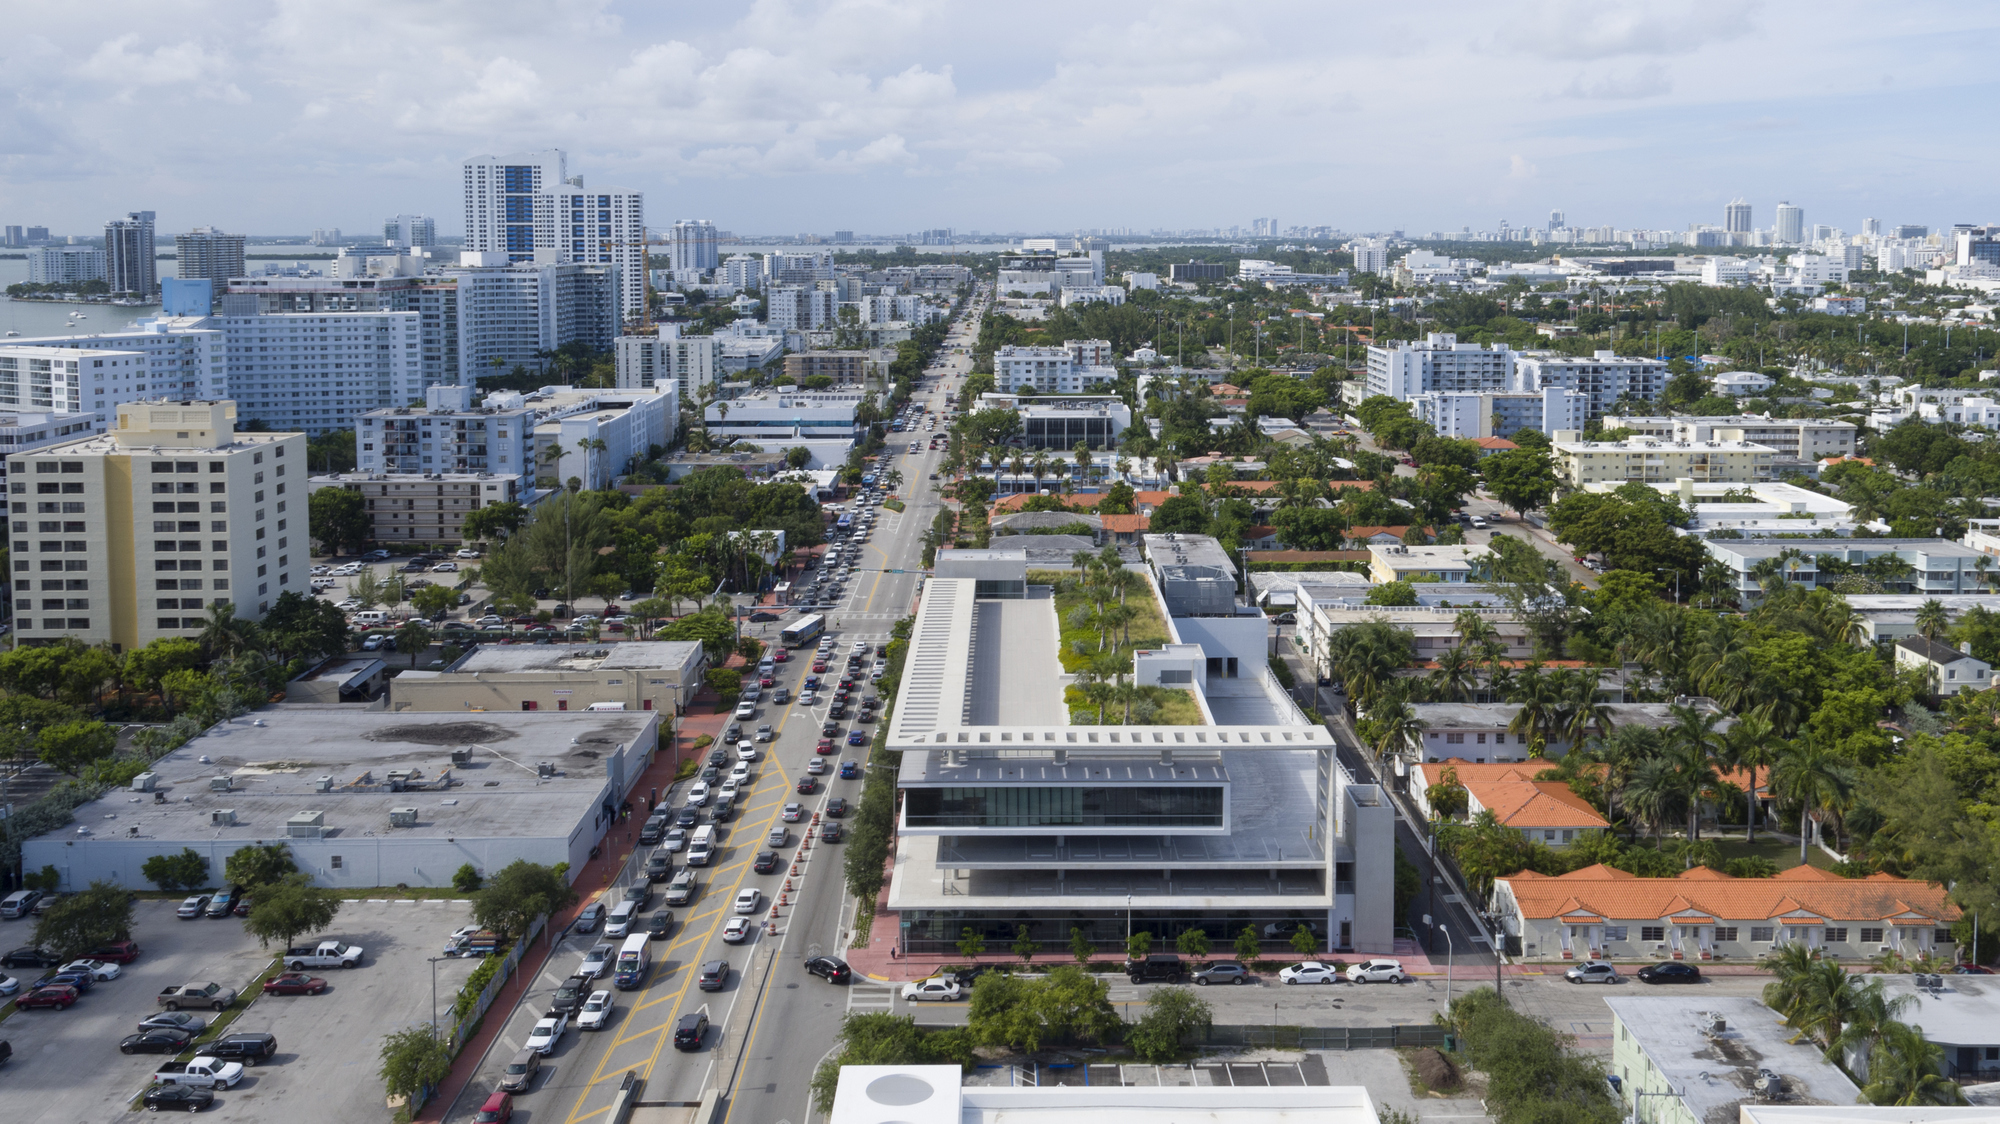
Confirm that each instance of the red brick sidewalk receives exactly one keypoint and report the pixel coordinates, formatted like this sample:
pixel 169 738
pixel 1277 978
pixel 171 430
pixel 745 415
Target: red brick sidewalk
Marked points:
pixel 595 877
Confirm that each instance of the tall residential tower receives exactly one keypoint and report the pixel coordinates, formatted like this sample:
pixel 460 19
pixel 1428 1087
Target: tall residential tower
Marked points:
pixel 528 208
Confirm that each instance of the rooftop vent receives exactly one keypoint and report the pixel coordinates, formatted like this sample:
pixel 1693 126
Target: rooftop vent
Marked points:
pixel 145 782
pixel 306 825
pixel 219 784
pixel 222 817
pixel 323 784
pixel 402 817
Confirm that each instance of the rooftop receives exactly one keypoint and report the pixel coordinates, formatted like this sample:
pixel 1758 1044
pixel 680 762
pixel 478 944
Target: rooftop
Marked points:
pixel 1606 893
pixel 1448 716
pixel 636 654
pixel 1717 1070
pixel 1429 557
pixel 347 763
pixel 1961 1011
pixel 348 669
pixel 1516 798
pixel 932 1094
pixel 1753 550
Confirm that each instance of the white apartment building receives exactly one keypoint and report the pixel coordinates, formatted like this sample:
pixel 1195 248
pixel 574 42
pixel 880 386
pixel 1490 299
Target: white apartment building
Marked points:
pixel 24 431
pixel 1048 370
pixel 694 242
pixel 1439 362
pixel 1605 377
pixel 1807 439
pixel 505 314
pixel 1091 353
pixel 740 272
pixel 1102 294
pixel 528 208
pixel 449 434
pixel 689 362
pixel 65 265
pixel 1371 255
pixel 410 231
pixel 129 536
pixel 747 345
pixel 800 308
pixel 206 252
pixel 1581 463
pixel 595 435
pixel 808 268
pixel 67 381
pixel 184 357
pixel 786 415
pixel 1470 416
pixel 321 371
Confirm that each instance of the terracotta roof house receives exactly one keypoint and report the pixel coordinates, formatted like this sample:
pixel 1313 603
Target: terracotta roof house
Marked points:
pixel 1491 445
pixel 1543 811
pixel 1602 913
pixel 1019 500
pixel 1383 536
pixel 1125 528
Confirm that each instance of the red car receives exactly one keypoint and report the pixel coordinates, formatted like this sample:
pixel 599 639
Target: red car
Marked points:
pixel 59 996
pixel 294 983
pixel 119 952
pixel 819 666
pixel 825 746
pixel 766 681
pixel 782 655
pixel 498 1109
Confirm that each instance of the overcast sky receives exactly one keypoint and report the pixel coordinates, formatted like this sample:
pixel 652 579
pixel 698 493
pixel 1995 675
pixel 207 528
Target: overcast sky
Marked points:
pixel 894 115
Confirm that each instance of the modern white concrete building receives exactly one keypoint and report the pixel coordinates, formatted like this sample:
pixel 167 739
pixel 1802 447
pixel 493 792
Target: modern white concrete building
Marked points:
pixel 410 231
pixel 448 434
pixel 1740 384
pixel 1807 439
pixel 1754 510
pixel 689 362
pixel 786 414
pixel 184 357
pixel 138 531
pixel 1438 362
pixel 1701 1059
pixel 1935 567
pixel 1059 423
pixel 694 245
pixel 207 253
pixel 1581 463
pixel 528 208
pixel 800 308
pixel 934 1094
pixel 1470 416
pixel 1607 378
pixel 505 314
pixel 596 435
pixel 321 371
pixel 1048 370
pixel 23 431
pixel 65 265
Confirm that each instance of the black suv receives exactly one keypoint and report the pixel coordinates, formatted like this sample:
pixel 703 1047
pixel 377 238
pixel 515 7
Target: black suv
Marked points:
pixel 689 1032
pixel 1160 967
pixel 571 994
pixel 829 969
pixel 654 827
pixel 248 1048
pixel 659 866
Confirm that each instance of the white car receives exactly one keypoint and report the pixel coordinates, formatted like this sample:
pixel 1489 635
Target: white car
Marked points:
pixel 739 773
pixel 794 812
pixel 317 570
pixel 727 793
pixel 698 795
pixel 542 1040
pixel 445 568
pixel 100 970
pixel 9 985
pixel 348 605
pixel 746 751
pixel 1595 972
pixel 676 840
pixel 737 930
pixel 748 899
pixel 596 1011
pixel 746 710
pixel 809 697
pixel 597 961
pixel 816 766
pixel 937 987
pixel 1378 971
pixel 1309 972
pixel 466 552
pixel 860 648
pixel 490 619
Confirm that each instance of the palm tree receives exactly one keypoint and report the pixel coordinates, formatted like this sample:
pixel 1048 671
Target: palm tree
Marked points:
pixel 1536 695
pixel 1473 629
pixel 1693 743
pixel 1455 675
pixel 223 634
pixel 1583 712
pixel 1621 753
pixel 1905 1069
pixel 1653 794
pixel 1933 620
pixel 1816 777
pixel 1039 466
pixel 1750 745
pixel 1872 1014
pixel 1397 726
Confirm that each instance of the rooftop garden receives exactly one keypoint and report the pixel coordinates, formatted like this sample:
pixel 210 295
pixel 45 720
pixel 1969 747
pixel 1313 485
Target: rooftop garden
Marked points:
pixel 1105 613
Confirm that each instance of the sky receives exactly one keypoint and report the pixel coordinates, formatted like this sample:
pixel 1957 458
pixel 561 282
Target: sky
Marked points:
pixel 888 116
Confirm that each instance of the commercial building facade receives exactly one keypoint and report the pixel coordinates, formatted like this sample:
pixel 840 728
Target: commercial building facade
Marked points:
pixel 777 415
pixel 658 675
pixel 131 536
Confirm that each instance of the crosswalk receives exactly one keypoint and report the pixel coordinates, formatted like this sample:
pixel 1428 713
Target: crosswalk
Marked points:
pixel 868 997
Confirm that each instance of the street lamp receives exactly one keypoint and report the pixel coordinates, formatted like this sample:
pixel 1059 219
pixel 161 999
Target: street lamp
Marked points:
pixel 1128 924
pixel 435 1029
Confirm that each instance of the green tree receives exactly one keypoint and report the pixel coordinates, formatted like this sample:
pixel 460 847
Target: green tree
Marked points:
pixel 886 1039
pixel 71 747
pixel 254 866
pixel 145 666
pixel 1182 514
pixel 1025 943
pixel 517 894
pixel 1520 478
pixel 466 879
pixel 1080 945
pixel 493 521
pixel 1066 1006
pixel 1173 1018
pixel 1138 945
pixel 282 911
pixel 971 942
pixel 1396 593
pixel 172 873
pixel 1192 942
pixel 1304 942
pixel 434 599
pixel 338 517
pixel 1906 1069
pixel 413 1059
pixel 74 925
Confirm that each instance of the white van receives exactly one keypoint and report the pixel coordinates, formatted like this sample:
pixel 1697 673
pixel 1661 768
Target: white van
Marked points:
pixel 633 958
pixel 371 617
pixel 620 921
pixel 701 845
pixel 606 706
pixel 19 903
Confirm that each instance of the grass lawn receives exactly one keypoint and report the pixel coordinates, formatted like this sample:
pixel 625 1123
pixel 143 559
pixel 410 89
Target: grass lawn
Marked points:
pixel 1148 630
pixel 1781 851
pixel 1176 708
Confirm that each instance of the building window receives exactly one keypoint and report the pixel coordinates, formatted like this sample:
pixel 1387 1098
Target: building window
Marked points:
pixel 1614 932
pixel 1655 933
pixel 530 704
pixel 1941 936
pixel 1762 933
pixel 1871 936
pixel 1454 739
pixel 335 864
pixel 1725 932
pixel 1836 934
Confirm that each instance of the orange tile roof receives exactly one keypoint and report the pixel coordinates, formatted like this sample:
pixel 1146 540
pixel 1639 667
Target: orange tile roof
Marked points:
pixel 1126 524
pixel 1500 443
pixel 1515 796
pixel 1357 485
pixel 1018 500
pixel 1804 892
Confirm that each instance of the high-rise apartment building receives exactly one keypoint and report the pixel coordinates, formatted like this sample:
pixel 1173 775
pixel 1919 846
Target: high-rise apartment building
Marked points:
pixel 1790 228
pixel 1438 363
pixel 206 252
pixel 320 371
pixel 1604 377
pixel 1871 228
pixel 800 307
pixel 65 265
pixel 15 237
pixel 695 245
pixel 528 209
pixel 182 357
pixel 688 362
pixel 1371 255
pixel 128 255
pixel 410 231
pixel 133 535
pixel 447 433
pixel 1736 216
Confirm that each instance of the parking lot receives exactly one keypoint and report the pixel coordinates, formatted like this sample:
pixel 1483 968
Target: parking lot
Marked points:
pixel 67 1067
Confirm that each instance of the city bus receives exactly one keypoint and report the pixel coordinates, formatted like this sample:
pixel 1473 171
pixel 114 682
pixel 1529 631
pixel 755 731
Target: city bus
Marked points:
pixel 803 631
pixel 844 524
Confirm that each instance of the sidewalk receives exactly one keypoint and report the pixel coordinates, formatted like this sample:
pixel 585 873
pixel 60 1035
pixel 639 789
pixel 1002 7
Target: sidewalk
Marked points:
pixel 596 876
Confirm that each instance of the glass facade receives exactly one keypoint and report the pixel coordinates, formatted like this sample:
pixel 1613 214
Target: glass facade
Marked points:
pixel 1135 806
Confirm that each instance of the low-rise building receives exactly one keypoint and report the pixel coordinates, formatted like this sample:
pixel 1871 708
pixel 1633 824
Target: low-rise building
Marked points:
pixel 595 435
pixel 1495 415
pixel 1703 1059
pixel 1059 423
pixel 1960 1014
pixel 767 417
pixel 417 509
pixel 1794 438
pixel 627 675
pixel 1448 564
pixel 449 434
pixel 1600 912
pixel 1544 812
pixel 1950 671
pixel 355 677
pixel 1754 510
pixel 1581 463
pixel 1047 370
pixel 1479 732
pixel 1325 610
pixel 840 366
pixel 1932 567
pixel 1741 384
pixel 935 1094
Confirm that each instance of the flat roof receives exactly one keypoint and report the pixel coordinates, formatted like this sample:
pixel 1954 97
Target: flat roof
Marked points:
pixel 1014 643
pixel 1717 1071
pixel 933 1094
pixel 1752 548
pixel 1444 716
pixel 627 654
pixel 1962 1011
pixel 348 669
pixel 276 756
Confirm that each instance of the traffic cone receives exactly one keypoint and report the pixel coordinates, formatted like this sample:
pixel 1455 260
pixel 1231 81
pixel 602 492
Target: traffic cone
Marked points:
pixel 788 885
pixel 795 868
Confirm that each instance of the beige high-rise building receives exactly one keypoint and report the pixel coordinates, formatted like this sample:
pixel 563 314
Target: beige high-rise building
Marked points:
pixel 131 535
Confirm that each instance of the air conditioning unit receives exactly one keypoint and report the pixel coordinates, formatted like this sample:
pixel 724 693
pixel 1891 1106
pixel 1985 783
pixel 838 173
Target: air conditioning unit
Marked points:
pixel 402 817
pixel 306 825
pixel 145 782
pixel 222 817
pixel 219 784
pixel 323 784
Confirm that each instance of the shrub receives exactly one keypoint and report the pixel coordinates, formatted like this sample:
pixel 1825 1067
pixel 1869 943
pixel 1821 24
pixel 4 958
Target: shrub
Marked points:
pixel 1173 1017
pixel 466 879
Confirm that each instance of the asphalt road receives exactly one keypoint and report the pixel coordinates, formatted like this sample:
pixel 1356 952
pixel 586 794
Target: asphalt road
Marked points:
pixel 771 1024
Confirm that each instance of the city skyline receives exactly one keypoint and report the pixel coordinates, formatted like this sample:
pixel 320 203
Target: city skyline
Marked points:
pixel 884 116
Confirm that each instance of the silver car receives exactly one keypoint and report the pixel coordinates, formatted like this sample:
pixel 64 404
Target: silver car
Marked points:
pixel 1594 972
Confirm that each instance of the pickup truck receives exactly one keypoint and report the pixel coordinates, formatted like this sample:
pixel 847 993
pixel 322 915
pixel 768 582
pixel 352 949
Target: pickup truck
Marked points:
pixel 202 1073
pixel 196 995
pixel 325 954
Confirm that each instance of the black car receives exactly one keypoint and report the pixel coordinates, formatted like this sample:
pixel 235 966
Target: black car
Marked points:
pixel 830 832
pixel 639 895
pixel 763 618
pixel 249 1047
pixel 81 981
pixel 732 735
pixel 178 1098
pixel 31 957
pixel 571 994
pixel 829 969
pixel 966 977
pixel 159 1040
pixel 654 827
pixel 591 917
pixel 767 861
pixel 690 1031
pixel 837 711
pixel 829 730
pixel 687 817
pixel 658 925
pixel 718 757
pixel 837 807
pixel 1671 971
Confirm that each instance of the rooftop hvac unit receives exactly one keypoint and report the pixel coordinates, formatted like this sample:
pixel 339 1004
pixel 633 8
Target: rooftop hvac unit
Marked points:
pixel 1717 1024
pixel 218 784
pixel 545 770
pixel 461 756
pixel 222 817
pixel 323 784
pixel 145 782
pixel 1769 1084
pixel 402 817
pixel 306 825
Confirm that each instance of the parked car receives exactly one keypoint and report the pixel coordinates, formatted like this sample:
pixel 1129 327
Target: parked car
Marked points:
pixel 1378 971
pixel 192 907
pixel 58 997
pixel 30 956
pixel 1221 971
pixel 830 969
pixel 1595 972
pixel 95 969
pixel 1309 972
pixel 178 1098
pixel 935 989
pixel 294 983
pixel 1671 971
pixel 175 1020
pixel 156 1040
